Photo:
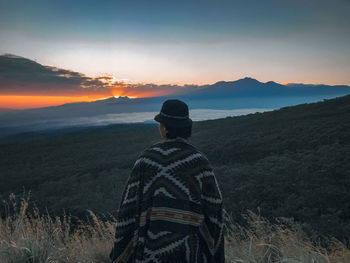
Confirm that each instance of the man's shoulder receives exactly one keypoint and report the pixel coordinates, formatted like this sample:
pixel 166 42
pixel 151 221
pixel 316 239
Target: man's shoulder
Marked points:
pixel 171 145
pixel 172 150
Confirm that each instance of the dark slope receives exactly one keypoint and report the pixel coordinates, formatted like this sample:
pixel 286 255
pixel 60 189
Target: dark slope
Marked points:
pixel 293 162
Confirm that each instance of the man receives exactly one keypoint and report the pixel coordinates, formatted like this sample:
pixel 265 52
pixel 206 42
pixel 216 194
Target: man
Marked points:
pixel 171 207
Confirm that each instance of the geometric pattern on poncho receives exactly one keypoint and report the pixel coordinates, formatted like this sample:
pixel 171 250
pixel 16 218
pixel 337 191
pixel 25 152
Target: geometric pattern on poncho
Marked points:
pixel 171 208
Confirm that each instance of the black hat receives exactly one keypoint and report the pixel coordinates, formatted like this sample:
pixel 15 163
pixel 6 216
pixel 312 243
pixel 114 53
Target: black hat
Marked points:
pixel 174 113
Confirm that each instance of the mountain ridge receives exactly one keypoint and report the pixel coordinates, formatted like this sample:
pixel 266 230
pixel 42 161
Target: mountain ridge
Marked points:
pixel 245 93
pixel 15 68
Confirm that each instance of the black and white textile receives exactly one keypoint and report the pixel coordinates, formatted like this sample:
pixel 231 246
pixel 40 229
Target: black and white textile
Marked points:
pixel 171 208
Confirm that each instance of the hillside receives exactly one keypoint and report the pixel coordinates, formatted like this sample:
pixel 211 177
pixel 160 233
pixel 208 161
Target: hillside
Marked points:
pixel 293 162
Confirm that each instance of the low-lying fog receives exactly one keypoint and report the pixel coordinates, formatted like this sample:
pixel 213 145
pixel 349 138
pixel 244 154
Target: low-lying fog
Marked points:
pixel 142 117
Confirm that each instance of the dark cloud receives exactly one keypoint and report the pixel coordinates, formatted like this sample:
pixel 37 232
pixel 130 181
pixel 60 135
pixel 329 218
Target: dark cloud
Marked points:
pixel 22 76
pixel 25 70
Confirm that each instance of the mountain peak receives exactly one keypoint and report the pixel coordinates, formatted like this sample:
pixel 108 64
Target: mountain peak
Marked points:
pixel 114 99
pixel 271 82
pixel 122 98
pixel 110 99
pixel 248 80
pixel 9 55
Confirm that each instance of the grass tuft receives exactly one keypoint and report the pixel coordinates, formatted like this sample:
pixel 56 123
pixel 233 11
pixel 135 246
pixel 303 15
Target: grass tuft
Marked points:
pixel 31 237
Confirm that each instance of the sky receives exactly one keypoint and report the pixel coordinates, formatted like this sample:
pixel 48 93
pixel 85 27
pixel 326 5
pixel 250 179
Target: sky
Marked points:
pixel 181 42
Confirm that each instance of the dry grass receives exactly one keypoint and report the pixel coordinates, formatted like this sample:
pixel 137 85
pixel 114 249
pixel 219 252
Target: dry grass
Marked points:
pixel 34 238
pixel 284 242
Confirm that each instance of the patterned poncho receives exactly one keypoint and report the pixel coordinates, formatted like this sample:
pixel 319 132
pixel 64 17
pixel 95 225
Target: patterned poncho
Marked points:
pixel 171 208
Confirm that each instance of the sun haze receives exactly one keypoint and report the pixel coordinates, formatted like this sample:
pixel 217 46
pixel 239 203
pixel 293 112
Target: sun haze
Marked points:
pixel 170 44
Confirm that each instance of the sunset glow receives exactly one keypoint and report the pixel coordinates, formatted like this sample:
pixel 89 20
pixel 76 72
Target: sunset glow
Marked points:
pixel 26 102
pixel 36 101
pixel 85 50
pixel 53 86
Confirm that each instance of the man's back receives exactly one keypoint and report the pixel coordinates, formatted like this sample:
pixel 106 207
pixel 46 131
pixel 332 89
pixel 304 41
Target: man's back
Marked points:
pixel 171 208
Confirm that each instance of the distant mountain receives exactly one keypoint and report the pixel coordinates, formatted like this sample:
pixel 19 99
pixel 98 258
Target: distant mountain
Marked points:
pixel 19 75
pixel 249 87
pixel 245 93
pixel 5 109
